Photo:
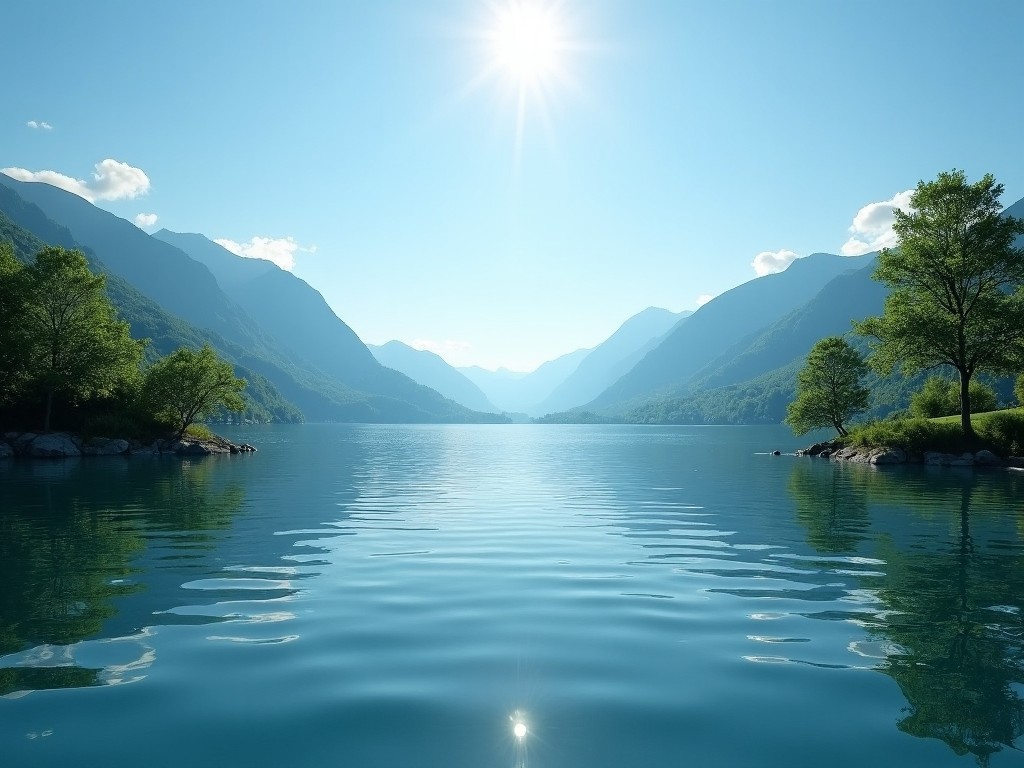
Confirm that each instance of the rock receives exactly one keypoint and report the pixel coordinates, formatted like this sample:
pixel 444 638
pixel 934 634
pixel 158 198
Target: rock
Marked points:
pixel 887 456
pixel 1015 461
pixel 105 446
pixel 934 458
pixel 987 459
pixel 55 446
pixel 825 454
pixel 963 460
pixel 776 453
pixel 20 443
pixel 6 452
pixel 818 449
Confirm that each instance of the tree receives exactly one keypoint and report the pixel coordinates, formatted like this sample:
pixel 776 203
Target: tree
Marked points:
pixel 1018 389
pixel 828 388
pixel 956 286
pixel 14 342
pixel 941 397
pixel 78 347
pixel 190 385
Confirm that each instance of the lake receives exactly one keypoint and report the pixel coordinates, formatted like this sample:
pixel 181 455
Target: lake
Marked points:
pixel 408 595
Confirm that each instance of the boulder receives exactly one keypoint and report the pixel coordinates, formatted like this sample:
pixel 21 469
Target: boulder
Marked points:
pixel 55 446
pixel 888 456
pixel 105 446
pixel 965 459
pixel 987 459
pixel 6 452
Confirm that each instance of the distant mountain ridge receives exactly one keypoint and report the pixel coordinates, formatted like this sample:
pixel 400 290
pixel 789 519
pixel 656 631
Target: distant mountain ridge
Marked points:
pixel 299 319
pixel 516 392
pixel 613 358
pixel 721 323
pixel 432 371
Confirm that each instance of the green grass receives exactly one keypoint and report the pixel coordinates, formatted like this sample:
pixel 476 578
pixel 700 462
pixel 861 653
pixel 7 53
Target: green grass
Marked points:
pixel 977 419
pixel 1000 431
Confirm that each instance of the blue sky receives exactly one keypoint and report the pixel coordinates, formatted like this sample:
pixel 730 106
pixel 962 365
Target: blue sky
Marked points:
pixel 375 146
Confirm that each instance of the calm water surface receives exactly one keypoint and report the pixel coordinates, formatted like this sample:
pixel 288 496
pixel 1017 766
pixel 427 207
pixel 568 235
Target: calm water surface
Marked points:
pixel 402 596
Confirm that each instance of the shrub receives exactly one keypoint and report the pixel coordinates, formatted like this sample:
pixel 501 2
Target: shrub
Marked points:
pixel 198 432
pixel 914 435
pixel 940 396
pixel 1004 431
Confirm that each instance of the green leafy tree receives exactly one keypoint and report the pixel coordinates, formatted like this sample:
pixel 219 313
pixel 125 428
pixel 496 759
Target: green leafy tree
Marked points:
pixel 1018 389
pixel 191 385
pixel 78 347
pixel 14 341
pixel 956 286
pixel 941 397
pixel 828 388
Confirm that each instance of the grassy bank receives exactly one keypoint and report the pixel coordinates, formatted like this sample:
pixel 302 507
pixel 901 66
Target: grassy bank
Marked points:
pixel 1002 432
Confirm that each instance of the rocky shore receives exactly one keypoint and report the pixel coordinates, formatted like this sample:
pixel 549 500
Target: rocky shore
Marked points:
pixel 837 452
pixel 61 445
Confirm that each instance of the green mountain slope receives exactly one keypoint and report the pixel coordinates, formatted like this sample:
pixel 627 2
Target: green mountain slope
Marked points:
pixel 299 321
pixel 147 320
pixel 723 322
pixel 187 288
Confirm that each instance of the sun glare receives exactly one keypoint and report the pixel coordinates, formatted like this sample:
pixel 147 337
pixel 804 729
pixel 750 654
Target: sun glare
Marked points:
pixel 526 41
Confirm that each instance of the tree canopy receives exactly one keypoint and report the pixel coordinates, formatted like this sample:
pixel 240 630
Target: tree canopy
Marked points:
pixel 189 385
pixel 68 340
pixel 828 389
pixel 956 285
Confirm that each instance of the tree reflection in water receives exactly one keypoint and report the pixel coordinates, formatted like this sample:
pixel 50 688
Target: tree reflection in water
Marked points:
pixel 69 534
pixel 951 595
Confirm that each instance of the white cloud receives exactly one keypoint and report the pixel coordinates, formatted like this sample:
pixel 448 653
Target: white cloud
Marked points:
pixel 872 226
pixel 704 298
pixel 39 125
pixel 279 250
pixel 112 180
pixel 145 220
pixel 770 262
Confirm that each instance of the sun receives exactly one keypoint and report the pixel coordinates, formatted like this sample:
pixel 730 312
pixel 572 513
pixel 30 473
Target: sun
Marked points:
pixel 526 41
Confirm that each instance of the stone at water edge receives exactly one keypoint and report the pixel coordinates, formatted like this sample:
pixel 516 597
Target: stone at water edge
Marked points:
pixel 6 452
pixel 55 446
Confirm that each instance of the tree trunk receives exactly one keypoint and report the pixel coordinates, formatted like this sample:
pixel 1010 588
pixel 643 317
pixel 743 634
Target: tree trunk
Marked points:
pixel 965 406
pixel 49 410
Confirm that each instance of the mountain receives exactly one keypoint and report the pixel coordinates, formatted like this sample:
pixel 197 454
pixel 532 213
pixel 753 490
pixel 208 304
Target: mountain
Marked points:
pixel 300 321
pixel 188 289
pixel 852 296
pixel 723 322
pixel 147 319
pixel 431 370
pixel 516 392
pixel 612 358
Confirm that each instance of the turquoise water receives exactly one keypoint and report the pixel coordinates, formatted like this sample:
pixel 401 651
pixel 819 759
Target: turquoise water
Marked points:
pixel 403 596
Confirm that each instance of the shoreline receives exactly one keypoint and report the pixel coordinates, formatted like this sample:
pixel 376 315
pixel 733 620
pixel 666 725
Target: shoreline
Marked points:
pixel 64 445
pixel 884 455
